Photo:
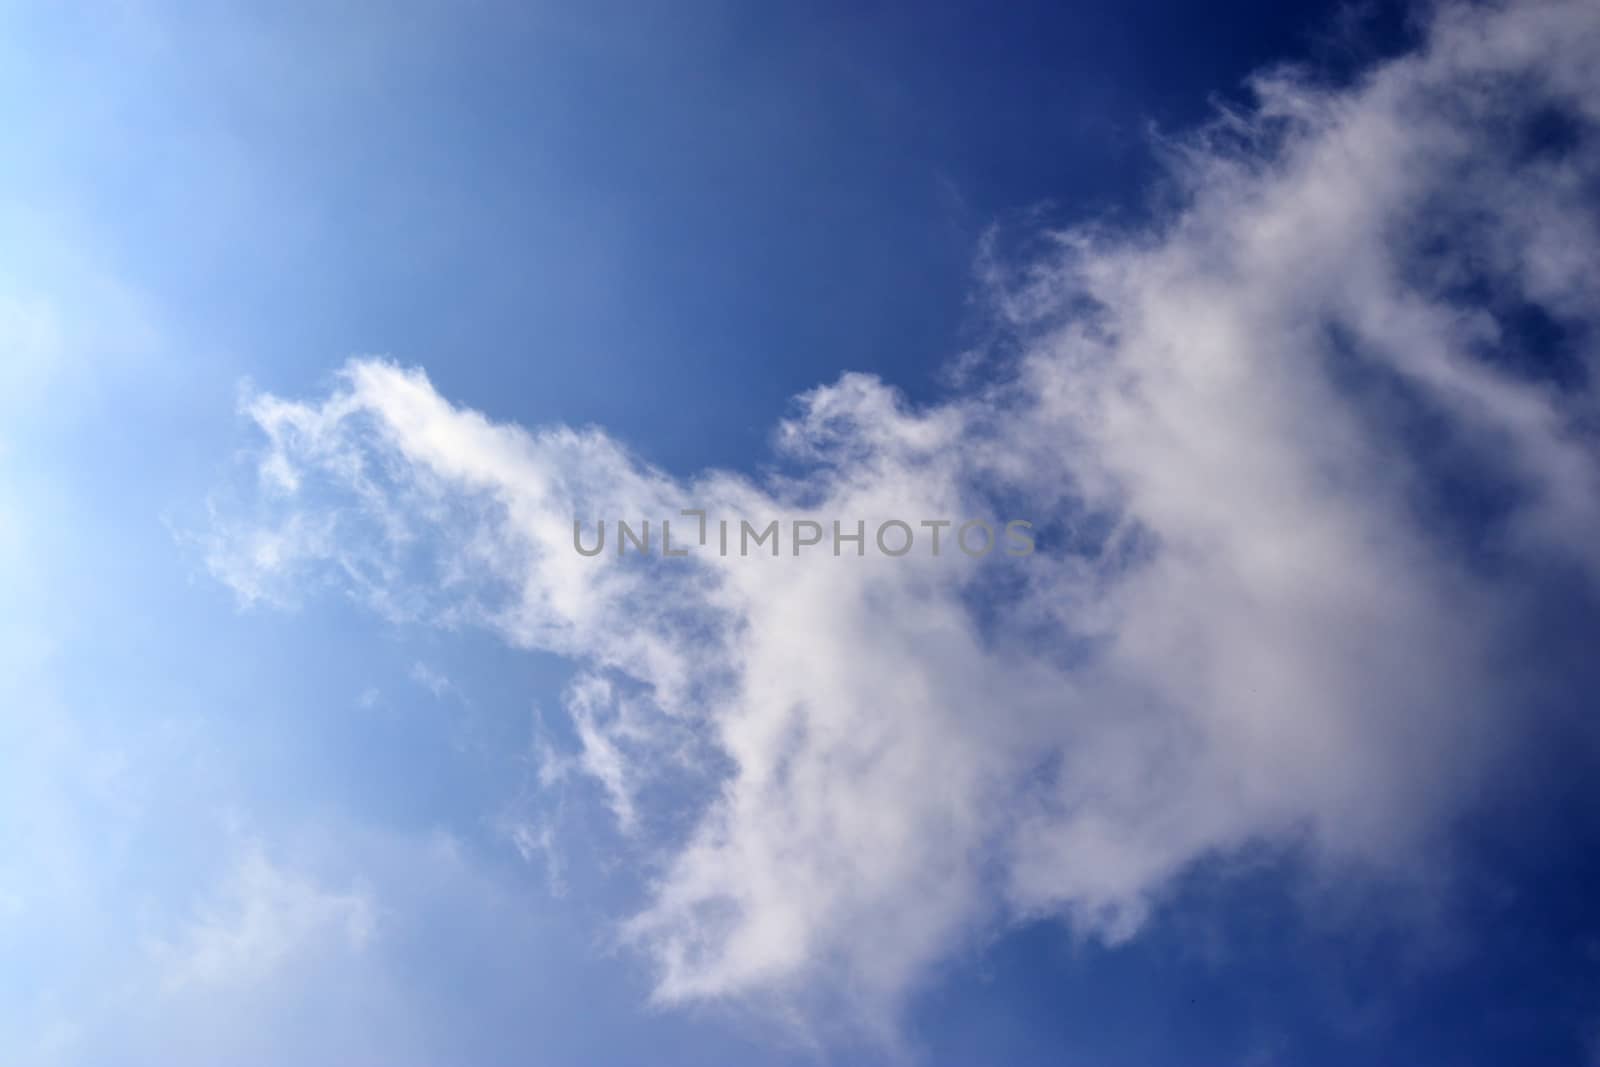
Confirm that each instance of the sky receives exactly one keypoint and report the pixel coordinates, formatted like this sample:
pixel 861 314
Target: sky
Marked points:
pixel 1270 741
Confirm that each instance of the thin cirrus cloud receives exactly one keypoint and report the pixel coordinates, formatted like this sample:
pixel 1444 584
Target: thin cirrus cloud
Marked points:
pixel 1295 466
pixel 267 915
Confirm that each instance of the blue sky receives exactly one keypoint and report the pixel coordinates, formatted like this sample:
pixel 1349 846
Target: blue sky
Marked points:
pixel 318 744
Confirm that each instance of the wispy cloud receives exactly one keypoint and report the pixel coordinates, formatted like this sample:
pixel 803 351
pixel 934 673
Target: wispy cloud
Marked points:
pixel 432 680
pixel 265 916
pixel 1293 479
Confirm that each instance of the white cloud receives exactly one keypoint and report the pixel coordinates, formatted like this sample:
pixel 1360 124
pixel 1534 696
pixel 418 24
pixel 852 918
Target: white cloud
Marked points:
pixel 1255 613
pixel 285 956
pixel 264 917
pixel 432 680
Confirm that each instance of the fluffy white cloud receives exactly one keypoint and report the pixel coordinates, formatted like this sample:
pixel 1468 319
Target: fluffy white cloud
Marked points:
pixel 1258 438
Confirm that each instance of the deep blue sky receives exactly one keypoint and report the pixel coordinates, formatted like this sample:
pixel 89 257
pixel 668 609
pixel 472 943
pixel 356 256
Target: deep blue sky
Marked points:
pixel 585 216
pixel 668 222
